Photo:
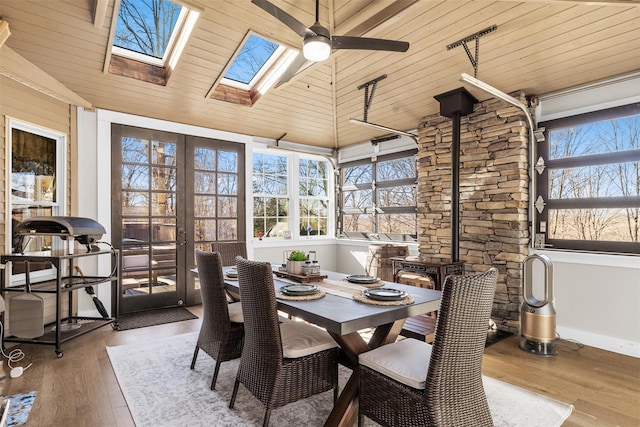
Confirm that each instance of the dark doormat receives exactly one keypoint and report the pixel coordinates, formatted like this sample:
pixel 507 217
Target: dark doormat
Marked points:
pixel 154 317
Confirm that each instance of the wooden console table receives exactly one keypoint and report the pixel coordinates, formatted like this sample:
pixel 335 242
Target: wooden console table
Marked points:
pixel 422 326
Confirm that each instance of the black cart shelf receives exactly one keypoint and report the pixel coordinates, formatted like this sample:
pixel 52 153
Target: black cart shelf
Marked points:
pixel 67 280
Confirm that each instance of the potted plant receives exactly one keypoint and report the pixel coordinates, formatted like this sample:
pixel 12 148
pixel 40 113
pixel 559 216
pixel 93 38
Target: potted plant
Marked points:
pixel 295 262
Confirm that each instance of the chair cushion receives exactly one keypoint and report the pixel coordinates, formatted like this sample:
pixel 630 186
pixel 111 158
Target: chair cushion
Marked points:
pixel 405 361
pixel 235 312
pixel 301 339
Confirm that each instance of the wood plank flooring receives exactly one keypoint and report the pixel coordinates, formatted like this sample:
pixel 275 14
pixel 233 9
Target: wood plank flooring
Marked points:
pixel 80 389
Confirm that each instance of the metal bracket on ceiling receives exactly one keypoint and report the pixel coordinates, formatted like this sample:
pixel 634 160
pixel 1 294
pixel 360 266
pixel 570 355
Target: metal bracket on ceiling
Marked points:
pixel 368 98
pixel 463 42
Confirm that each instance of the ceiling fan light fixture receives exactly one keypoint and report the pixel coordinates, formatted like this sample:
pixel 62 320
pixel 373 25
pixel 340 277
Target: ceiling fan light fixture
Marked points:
pixel 316 48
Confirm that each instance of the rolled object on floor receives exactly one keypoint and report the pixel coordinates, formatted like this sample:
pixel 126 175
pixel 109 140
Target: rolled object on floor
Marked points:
pixel 26 316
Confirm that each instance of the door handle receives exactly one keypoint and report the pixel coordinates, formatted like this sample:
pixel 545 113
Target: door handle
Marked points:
pixel 182 236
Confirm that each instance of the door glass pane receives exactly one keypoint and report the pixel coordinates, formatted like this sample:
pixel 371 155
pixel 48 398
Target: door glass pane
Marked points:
pixel 228 229
pixel 227 183
pixel 227 207
pixel 164 204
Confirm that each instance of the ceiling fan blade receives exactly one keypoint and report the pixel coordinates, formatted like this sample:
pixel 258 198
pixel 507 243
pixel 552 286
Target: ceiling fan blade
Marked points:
pixel 282 16
pixel 293 68
pixel 365 43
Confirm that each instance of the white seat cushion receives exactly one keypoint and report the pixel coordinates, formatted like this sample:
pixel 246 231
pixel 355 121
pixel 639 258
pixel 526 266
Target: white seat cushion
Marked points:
pixel 405 361
pixel 301 339
pixel 235 312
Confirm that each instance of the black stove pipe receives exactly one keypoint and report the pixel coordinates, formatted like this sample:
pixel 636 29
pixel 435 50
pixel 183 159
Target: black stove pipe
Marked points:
pixel 455 188
pixel 455 104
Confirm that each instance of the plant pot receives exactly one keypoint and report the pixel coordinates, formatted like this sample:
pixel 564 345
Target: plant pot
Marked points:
pixel 294 267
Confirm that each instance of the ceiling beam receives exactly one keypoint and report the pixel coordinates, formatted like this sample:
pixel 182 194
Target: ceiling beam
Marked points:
pixel 99 13
pixel 18 68
pixel 355 26
pixel 4 32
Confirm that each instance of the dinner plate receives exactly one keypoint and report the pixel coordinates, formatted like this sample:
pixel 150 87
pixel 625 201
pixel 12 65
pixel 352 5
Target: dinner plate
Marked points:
pixel 299 289
pixel 385 294
pixel 359 278
pixel 232 273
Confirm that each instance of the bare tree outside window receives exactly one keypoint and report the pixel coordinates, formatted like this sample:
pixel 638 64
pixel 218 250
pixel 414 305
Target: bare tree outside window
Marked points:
pixel 146 26
pixel 379 199
pixel 594 181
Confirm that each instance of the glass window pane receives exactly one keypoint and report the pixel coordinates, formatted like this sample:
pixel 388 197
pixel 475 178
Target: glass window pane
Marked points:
pixel 404 168
pixel 164 179
pixel 146 27
pixel 204 159
pixel 358 199
pixel 227 183
pixel 135 150
pixel 362 174
pixel 164 204
pixel 253 55
pixel 360 222
pixel 204 182
pixel 135 177
pixel 204 206
pixel 593 138
pixel 204 230
pixel 135 203
pixel 33 167
pixel 227 161
pixel 163 153
pixel 397 223
pixel 614 225
pixel 135 230
pixel 402 195
pixel 611 180
pixel 163 230
pixel 227 229
pixel 227 207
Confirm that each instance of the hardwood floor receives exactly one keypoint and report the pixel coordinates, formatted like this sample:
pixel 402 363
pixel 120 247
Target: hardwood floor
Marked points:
pixel 80 389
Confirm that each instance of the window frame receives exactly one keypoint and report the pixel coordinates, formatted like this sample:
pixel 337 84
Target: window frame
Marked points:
pixel 293 195
pixel 58 207
pixel 542 183
pixel 375 210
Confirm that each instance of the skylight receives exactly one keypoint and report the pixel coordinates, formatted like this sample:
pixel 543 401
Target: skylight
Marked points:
pixel 146 30
pixel 251 60
pixel 258 65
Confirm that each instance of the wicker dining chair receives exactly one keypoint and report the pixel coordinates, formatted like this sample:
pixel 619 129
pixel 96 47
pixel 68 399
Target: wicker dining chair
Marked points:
pixel 412 383
pixel 280 363
pixel 222 330
pixel 229 251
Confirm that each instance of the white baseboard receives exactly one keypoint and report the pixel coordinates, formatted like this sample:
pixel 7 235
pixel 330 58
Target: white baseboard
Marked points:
pixel 616 345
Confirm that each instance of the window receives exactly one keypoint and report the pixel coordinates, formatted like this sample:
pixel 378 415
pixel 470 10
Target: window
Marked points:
pixel 153 33
pixel 284 182
pixel 37 185
pixel 270 195
pixel 378 198
pixel 257 66
pixel 314 197
pixel 589 190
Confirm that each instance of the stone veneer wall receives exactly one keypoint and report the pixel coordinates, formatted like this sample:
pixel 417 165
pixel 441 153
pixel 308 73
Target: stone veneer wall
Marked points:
pixel 494 228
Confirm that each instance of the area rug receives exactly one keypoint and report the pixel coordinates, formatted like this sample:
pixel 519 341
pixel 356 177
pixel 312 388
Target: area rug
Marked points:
pixel 161 390
pixel 154 317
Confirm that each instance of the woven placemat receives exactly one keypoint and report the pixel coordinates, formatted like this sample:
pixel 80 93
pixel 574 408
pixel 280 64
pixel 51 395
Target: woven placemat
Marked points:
pixel 317 295
pixel 364 299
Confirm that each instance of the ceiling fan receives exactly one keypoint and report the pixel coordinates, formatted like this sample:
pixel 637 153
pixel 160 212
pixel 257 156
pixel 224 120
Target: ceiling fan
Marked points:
pixel 318 42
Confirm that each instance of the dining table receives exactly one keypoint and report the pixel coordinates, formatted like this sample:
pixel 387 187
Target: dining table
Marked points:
pixel 343 315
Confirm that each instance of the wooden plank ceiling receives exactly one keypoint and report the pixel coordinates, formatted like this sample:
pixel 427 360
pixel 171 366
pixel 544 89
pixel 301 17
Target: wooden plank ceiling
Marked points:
pixel 538 47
